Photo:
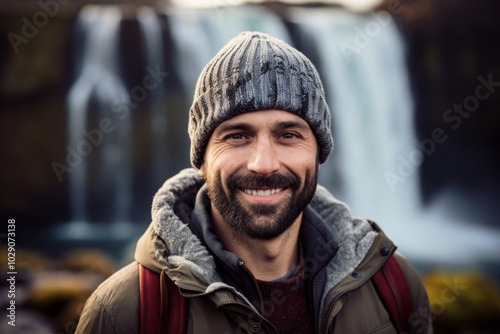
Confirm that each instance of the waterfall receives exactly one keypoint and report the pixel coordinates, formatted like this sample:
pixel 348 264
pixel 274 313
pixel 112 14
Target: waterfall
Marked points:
pixel 97 86
pixel 151 33
pixel 362 60
pixel 77 102
pixel 199 34
pixel 372 112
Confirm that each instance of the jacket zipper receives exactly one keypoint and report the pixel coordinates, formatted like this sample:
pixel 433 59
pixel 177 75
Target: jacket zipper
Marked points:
pixel 243 265
pixel 315 311
pixel 354 287
pixel 246 303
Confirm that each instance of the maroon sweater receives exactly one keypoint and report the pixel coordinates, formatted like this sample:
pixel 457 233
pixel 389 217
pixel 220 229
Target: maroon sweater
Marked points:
pixel 285 304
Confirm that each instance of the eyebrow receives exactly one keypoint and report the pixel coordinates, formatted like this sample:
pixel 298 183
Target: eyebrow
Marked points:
pixel 290 124
pixel 234 126
pixel 243 126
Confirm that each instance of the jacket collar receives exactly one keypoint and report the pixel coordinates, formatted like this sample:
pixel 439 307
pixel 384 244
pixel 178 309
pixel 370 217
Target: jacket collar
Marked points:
pixel 175 246
pixel 317 240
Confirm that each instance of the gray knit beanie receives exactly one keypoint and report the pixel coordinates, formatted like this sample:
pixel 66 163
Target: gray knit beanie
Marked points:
pixel 255 71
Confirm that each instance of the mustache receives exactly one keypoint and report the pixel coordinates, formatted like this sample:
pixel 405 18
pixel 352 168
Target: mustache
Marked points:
pixel 253 181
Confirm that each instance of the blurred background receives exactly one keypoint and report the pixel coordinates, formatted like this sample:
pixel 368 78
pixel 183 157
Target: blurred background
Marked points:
pixel 93 117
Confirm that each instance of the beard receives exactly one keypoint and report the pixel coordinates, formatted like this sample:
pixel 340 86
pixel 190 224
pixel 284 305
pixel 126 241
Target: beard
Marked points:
pixel 261 221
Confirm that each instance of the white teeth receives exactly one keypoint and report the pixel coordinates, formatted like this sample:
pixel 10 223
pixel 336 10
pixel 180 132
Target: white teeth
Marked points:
pixel 262 192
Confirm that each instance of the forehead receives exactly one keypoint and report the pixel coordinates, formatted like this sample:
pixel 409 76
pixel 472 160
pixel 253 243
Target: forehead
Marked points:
pixel 264 119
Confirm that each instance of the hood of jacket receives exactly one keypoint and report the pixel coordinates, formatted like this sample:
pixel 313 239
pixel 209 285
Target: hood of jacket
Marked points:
pixel 169 243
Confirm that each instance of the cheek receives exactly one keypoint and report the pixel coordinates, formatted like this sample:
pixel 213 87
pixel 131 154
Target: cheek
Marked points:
pixel 219 158
pixel 216 176
pixel 225 164
pixel 302 162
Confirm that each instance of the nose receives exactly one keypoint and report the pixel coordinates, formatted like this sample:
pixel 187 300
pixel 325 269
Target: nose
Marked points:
pixel 264 159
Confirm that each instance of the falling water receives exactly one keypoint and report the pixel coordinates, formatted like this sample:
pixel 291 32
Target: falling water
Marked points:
pixel 370 98
pixel 151 34
pixel 78 99
pixel 368 91
pixel 99 80
pixel 213 28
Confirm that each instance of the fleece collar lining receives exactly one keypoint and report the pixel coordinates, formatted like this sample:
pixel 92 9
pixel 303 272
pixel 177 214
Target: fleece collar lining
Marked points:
pixel 354 236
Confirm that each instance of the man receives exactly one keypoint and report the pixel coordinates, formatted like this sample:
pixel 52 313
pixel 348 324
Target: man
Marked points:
pixel 248 236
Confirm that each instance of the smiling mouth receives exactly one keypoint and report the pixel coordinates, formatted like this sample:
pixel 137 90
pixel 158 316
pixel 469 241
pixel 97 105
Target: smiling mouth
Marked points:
pixel 262 192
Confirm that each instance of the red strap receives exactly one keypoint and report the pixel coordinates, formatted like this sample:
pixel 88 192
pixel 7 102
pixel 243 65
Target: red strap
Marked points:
pixel 392 287
pixel 160 296
pixel 174 305
pixel 149 299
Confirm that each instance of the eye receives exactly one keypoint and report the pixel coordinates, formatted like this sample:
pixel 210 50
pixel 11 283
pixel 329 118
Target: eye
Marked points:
pixel 235 136
pixel 289 135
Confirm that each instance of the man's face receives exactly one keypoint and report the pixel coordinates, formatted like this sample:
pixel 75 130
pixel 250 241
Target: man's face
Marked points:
pixel 261 171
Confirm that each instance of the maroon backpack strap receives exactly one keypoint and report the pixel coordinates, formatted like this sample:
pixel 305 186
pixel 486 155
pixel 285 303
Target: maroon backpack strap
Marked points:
pixel 149 301
pixel 173 304
pixel 160 296
pixel 392 287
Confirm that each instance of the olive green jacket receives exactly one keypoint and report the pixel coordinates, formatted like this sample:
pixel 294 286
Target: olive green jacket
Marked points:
pixel 340 257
